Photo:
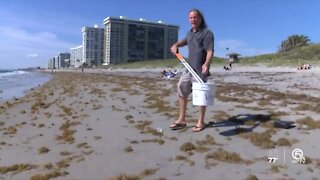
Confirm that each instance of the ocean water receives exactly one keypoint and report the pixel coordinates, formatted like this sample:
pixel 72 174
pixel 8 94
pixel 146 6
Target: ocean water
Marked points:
pixel 14 83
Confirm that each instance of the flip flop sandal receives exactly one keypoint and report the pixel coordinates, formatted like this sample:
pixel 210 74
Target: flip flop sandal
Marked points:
pixel 198 129
pixel 175 126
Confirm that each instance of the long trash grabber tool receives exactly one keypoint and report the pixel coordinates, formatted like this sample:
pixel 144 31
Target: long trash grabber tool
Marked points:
pixel 185 63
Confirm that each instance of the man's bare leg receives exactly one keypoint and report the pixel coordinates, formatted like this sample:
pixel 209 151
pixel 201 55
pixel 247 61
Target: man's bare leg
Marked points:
pixel 182 110
pixel 200 124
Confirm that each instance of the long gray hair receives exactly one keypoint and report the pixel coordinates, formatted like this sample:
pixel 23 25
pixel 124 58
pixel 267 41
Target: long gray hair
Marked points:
pixel 203 22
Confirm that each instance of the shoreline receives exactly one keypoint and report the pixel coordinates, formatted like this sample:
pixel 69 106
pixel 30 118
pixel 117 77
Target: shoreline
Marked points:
pixel 17 85
pixel 98 126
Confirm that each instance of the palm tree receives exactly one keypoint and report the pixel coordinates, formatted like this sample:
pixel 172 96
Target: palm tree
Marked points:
pixel 293 42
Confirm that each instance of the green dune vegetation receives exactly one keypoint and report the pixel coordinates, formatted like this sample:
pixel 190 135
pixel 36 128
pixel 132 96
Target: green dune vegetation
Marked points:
pixel 309 54
pixel 295 49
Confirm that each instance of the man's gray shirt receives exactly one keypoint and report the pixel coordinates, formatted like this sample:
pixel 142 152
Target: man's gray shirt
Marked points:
pixel 199 43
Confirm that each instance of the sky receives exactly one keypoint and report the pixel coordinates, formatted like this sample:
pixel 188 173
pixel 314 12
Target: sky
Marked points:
pixel 32 31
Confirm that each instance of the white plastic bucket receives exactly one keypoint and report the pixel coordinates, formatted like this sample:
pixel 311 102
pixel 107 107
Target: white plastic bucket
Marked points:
pixel 202 94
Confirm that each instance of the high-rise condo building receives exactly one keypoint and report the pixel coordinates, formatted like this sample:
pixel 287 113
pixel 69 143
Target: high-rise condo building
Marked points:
pixel 92 44
pixel 135 40
pixel 76 56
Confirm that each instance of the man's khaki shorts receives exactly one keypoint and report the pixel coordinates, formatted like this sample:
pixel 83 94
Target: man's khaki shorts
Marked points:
pixel 185 84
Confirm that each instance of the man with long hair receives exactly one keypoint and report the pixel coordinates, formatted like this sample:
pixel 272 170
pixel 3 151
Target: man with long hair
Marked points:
pixel 200 42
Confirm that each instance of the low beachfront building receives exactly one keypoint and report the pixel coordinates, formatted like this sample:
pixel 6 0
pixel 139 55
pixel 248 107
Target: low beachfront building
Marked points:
pixel 76 56
pixel 234 57
pixel 56 62
pixel 61 59
pixel 51 63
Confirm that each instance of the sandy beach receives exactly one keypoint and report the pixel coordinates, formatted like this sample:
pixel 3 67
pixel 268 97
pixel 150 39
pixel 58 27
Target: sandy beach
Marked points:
pixel 114 124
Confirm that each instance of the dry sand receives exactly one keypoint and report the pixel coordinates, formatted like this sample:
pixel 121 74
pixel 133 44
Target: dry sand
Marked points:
pixel 104 126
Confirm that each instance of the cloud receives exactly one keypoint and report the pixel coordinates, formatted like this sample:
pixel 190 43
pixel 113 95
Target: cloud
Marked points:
pixel 17 36
pixel 233 45
pixel 17 45
pixel 28 40
pixel 14 37
pixel 32 55
pixel 33 21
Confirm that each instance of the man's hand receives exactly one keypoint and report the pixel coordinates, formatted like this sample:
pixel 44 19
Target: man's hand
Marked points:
pixel 174 49
pixel 205 66
pixel 205 69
